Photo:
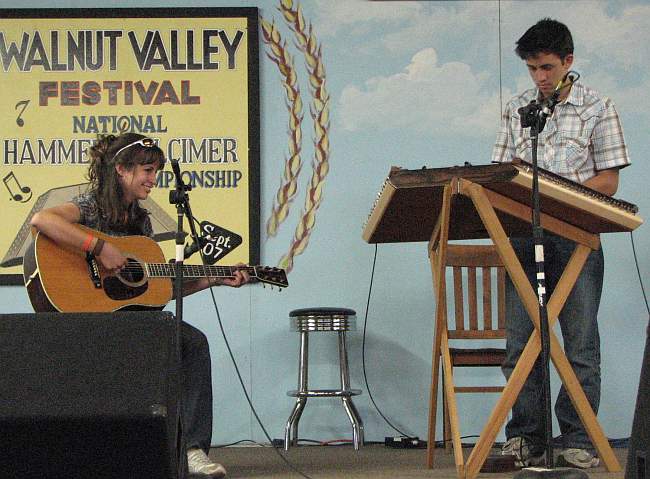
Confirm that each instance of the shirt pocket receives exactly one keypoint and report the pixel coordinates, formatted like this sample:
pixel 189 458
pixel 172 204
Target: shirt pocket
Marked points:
pixel 573 147
pixel 523 146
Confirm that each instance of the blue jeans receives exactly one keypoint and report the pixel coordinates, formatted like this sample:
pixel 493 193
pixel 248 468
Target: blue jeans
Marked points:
pixel 196 385
pixel 578 321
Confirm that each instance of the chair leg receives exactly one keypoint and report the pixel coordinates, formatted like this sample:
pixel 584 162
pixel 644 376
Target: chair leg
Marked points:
pixel 291 429
pixel 446 426
pixel 303 368
pixel 353 414
pixel 355 420
pixel 343 362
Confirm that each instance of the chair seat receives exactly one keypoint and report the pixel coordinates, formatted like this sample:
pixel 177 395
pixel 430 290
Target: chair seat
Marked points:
pixel 477 357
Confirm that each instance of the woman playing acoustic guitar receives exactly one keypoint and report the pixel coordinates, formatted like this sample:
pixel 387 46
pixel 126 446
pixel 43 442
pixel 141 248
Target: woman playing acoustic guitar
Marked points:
pixel 122 172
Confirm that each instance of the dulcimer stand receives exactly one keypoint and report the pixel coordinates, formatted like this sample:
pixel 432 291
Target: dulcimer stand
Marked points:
pixel 480 202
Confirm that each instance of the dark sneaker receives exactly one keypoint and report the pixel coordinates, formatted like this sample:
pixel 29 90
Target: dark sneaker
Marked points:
pixel 580 458
pixel 521 450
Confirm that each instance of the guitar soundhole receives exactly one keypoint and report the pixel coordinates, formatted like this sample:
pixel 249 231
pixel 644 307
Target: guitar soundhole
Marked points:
pixel 129 283
pixel 132 272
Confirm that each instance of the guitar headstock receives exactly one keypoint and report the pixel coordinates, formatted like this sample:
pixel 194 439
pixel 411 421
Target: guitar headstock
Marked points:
pixel 272 276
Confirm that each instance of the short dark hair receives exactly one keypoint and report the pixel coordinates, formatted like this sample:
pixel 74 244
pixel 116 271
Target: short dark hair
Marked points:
pixel 546 36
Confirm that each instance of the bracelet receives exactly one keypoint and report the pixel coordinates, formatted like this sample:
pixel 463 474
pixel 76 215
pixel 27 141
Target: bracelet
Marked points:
pixel 98 247
pixel 87 242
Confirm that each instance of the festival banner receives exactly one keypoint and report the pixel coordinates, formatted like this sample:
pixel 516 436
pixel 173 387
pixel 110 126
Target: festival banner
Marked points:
pixel 186 77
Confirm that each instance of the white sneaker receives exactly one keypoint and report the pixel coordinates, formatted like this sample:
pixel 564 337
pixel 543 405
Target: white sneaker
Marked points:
pixel 521 450
pixel 199 464
pixel 575 457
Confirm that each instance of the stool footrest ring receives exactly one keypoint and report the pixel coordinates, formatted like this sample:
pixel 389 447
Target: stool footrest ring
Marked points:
pixel 311 393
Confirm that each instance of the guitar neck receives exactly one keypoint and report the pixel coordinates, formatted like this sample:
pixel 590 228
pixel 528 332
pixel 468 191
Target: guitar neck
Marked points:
pixel 168 270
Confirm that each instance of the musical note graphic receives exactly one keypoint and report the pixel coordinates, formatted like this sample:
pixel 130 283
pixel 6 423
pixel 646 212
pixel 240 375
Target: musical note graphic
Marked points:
pixel 11 178
pixel 19 120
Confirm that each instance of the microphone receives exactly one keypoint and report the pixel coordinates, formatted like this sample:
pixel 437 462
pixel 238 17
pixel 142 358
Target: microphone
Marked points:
pixel 193 247
pixel 569 79
pixel 177 172
pixel 178 195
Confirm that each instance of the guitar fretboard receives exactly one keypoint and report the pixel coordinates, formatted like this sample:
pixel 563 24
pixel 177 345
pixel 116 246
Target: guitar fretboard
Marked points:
pixel 168 270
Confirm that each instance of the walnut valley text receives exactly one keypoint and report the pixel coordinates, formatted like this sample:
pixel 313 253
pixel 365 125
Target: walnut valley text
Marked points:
pixel 93 50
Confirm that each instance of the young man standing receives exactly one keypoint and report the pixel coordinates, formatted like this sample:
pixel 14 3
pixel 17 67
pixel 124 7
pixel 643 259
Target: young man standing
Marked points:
pixel 582 141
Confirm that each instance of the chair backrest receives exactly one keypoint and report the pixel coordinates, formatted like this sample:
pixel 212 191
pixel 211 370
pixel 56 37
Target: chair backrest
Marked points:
pixel 470 259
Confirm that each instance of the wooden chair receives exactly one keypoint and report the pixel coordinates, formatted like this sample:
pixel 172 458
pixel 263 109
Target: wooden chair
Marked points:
pixel 468 324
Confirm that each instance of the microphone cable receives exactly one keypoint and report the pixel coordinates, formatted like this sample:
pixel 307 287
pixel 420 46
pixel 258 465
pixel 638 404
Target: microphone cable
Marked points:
pixel 363 350
pixel 241 380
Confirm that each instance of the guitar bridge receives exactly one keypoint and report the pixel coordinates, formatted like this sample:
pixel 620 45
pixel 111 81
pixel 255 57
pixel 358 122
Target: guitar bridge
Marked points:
pixel 93 270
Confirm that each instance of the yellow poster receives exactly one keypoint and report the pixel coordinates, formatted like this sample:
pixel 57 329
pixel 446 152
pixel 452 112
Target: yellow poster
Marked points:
pixel 187 78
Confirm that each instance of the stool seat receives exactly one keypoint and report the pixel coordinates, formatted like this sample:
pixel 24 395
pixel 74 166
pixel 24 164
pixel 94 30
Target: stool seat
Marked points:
pixel 324 311
pixel 338 320
pixel 323 319
pixel 322 393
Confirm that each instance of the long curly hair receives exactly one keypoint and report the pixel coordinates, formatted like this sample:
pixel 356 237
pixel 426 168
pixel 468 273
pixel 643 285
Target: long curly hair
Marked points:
pixel 103 177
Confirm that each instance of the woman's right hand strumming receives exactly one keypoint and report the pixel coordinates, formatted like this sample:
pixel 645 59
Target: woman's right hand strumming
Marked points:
pixel 112 258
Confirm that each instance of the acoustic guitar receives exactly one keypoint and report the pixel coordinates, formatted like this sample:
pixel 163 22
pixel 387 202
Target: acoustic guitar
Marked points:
pixel 65 279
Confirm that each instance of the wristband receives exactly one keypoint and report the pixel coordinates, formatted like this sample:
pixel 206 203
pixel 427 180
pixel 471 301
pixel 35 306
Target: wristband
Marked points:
pixel 87 242
pixel 97 250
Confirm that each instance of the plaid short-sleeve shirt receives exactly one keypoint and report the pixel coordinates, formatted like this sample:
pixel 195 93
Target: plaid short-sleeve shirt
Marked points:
pixel 582 137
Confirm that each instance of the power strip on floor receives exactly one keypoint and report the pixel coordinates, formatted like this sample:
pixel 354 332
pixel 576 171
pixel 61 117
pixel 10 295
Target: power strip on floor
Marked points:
pixel 404 442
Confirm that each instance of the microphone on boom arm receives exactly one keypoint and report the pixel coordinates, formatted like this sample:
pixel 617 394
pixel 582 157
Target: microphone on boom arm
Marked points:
pixel 536 113
pixel 569 79
pixel 213 241
pixel 193 247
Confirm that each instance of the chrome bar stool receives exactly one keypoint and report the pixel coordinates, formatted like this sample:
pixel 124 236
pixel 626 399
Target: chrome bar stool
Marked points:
pixel 305 321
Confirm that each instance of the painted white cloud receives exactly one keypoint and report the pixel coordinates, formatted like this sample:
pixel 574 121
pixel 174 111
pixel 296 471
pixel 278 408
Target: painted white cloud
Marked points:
pixel 426 96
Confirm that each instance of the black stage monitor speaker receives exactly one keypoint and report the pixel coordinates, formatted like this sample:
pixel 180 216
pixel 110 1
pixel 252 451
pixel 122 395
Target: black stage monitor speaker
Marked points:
pixel 89 396
pixel 638 458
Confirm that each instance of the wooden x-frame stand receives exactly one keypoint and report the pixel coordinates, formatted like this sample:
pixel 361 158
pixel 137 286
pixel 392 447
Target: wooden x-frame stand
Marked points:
pixel 486 202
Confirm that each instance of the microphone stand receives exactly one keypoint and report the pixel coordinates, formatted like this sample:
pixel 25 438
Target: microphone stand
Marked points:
pixel 180 198
pixel 538 241
pixel 534 115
